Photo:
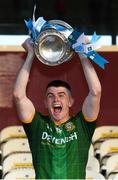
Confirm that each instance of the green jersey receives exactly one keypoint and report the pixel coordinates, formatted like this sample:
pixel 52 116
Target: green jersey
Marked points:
pixel 59 152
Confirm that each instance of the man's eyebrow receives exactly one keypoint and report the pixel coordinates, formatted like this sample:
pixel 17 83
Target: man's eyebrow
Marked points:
pixel 61 92
pixel 50 93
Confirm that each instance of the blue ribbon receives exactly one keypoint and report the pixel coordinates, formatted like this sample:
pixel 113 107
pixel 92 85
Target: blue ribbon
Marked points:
pixel 79 48
pixel 53 26
pixel 92 55
pixel 32 31
pixel 95 38
pixel 96 58
pixel 74 36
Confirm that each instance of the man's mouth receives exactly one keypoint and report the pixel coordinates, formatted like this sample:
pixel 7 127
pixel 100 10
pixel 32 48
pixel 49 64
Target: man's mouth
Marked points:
pixel 57 108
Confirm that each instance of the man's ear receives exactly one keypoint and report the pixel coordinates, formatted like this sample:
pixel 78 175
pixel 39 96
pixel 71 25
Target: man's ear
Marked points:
pixel 71 102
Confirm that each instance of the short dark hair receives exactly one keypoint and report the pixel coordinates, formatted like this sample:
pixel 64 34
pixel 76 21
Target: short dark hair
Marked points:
pixel 59 83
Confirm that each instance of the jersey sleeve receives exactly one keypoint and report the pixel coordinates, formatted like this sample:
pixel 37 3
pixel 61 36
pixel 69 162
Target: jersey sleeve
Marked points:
pixel 30 128
pixel 89 127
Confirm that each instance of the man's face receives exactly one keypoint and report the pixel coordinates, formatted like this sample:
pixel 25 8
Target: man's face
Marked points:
pixel 58 101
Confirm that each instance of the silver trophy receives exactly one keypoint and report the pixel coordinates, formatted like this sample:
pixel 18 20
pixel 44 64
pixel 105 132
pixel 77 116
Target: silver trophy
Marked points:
pixel 52 46
pixel 55 40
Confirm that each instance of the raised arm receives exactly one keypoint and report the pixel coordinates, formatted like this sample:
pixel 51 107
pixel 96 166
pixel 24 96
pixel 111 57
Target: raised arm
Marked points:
pixel 24 106
pixel 91 104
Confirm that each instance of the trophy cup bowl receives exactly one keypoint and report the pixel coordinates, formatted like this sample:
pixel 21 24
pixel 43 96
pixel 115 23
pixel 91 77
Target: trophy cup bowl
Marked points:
pixel 52 46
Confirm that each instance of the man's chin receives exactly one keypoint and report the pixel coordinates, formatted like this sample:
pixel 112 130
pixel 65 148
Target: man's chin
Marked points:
pixel 57 118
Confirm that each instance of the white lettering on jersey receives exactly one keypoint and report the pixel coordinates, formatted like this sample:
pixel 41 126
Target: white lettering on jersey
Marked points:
pixel 51 139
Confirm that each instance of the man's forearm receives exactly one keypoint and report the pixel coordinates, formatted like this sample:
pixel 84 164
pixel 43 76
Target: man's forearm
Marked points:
pixel 23 77
pixel 91 76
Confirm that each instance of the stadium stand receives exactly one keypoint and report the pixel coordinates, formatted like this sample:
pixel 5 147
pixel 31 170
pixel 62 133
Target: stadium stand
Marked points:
pixel 16 158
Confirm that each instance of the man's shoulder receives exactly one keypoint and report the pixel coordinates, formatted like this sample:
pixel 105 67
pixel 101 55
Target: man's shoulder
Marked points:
pixel 40 117
pixel 79 115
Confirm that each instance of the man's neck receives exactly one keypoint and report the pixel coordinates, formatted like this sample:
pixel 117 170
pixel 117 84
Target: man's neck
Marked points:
pixel 59 122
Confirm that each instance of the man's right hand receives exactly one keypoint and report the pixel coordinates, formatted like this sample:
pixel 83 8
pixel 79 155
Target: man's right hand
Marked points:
pixel 28 46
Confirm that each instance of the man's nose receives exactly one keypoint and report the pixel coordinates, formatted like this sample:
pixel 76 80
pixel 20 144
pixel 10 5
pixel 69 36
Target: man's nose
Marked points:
pixel 56 98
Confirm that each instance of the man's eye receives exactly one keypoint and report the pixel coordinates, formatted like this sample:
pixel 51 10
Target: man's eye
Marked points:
pixel 50 96
pixel 61 95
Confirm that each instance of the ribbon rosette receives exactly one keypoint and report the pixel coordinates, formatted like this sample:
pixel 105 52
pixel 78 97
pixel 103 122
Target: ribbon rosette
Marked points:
pixel 35 27
pixel 88 49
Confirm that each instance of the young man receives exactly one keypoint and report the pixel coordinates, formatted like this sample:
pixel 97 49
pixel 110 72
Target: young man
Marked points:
pixel 59 143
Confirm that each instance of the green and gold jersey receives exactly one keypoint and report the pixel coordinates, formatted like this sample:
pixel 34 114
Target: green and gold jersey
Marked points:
pixel 59 152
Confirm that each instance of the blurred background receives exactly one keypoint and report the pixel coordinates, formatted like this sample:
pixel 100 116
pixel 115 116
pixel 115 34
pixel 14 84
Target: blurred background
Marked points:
pixel 88 15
